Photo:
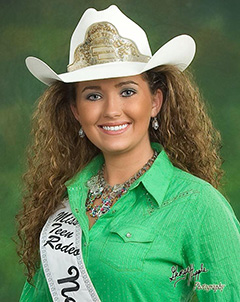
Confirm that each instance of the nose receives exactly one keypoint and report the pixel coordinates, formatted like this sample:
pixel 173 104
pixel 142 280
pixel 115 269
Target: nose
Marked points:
pixel 112 106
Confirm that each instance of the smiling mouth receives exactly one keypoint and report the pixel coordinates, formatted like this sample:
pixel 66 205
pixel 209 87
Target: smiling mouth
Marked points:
pixel 114 128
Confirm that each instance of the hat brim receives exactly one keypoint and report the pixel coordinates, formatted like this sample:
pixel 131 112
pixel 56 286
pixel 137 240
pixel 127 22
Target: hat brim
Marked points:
pixel 179 52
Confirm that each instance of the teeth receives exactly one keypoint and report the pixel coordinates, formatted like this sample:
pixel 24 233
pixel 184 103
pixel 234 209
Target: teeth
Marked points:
pixel 115 128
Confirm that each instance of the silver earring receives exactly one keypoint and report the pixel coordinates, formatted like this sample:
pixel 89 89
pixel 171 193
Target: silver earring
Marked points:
pixel 155 124
pixel 81 132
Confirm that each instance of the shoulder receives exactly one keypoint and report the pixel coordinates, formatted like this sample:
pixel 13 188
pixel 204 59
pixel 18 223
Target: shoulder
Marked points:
pixel 203 197
pixel 206 214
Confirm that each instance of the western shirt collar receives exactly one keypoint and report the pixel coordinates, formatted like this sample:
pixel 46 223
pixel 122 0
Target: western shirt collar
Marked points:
pixel 156 180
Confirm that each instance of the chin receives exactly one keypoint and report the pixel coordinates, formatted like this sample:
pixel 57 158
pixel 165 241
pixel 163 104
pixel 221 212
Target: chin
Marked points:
pixel 115 148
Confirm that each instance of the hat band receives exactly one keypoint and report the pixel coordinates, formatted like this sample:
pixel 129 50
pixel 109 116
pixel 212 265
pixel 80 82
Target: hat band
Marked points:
pixel 103 44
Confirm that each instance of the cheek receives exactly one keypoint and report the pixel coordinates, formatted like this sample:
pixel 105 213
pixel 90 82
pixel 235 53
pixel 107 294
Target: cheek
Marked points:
pixel 88 113
pixel 141 110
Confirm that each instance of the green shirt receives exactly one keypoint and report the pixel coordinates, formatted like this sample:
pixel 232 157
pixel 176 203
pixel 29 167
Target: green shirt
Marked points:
pixel 168 221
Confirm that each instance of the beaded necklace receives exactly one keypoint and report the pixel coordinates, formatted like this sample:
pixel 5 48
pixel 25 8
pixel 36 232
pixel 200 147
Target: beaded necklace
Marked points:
pixel 99 188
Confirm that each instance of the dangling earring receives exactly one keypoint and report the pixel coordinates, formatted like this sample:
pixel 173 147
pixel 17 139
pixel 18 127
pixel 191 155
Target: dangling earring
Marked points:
pixel 81 132
pixel 155 124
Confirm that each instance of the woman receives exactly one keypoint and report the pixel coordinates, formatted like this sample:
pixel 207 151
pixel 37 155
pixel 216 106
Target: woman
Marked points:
pixel 123 176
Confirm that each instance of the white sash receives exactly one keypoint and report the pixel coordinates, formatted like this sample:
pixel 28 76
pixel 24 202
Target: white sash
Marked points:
pixel 61 256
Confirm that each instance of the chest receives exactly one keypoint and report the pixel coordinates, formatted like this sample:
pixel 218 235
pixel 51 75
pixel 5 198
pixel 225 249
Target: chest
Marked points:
pixel 92 220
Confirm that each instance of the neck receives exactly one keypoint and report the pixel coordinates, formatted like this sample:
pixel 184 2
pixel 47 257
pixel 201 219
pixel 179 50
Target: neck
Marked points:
pixel 120 167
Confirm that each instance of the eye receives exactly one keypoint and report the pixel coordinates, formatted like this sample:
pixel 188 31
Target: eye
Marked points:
pixel 128 92
pixel 93 97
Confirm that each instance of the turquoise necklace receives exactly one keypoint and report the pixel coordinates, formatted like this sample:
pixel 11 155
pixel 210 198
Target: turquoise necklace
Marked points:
pixel 99 188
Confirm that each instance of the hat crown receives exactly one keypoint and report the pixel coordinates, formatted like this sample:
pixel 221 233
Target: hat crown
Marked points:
pixel 125 26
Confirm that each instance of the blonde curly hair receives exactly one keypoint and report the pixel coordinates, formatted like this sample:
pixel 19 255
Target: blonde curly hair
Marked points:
pixel 56 152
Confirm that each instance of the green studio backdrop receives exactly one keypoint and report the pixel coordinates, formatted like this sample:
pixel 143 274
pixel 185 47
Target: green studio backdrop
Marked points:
pixel 43 28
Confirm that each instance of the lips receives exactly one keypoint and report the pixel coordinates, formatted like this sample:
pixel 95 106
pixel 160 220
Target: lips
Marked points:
pixel 114 128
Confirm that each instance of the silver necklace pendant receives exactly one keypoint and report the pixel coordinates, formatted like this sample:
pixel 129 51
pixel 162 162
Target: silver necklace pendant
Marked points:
pixel 96 190
pixel 94 186
pixel 117 188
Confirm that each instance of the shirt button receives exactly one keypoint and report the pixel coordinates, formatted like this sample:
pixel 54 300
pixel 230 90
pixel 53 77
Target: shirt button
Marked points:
pixel 113 211
pixel 76 210
pixel 85 244
pixel 128 235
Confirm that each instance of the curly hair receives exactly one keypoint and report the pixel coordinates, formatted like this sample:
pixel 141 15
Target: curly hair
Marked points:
pixel 56 153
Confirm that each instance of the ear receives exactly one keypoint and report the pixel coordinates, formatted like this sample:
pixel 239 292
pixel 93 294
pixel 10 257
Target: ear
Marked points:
pixel 75 111
pixel 157 102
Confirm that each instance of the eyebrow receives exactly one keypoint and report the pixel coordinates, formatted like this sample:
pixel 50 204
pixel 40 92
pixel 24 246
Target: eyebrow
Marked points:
pixel 117 85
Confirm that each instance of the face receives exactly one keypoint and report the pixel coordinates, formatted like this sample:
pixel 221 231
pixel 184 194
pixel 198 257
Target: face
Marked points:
pixel 115 113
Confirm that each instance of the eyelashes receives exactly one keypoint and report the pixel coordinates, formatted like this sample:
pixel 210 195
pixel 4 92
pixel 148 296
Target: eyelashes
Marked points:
pixel 93 97
pixel 126 93
pixel 129 93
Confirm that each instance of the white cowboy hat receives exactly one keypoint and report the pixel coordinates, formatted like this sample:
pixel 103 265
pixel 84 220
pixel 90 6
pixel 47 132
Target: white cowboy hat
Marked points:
pixel 107 44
